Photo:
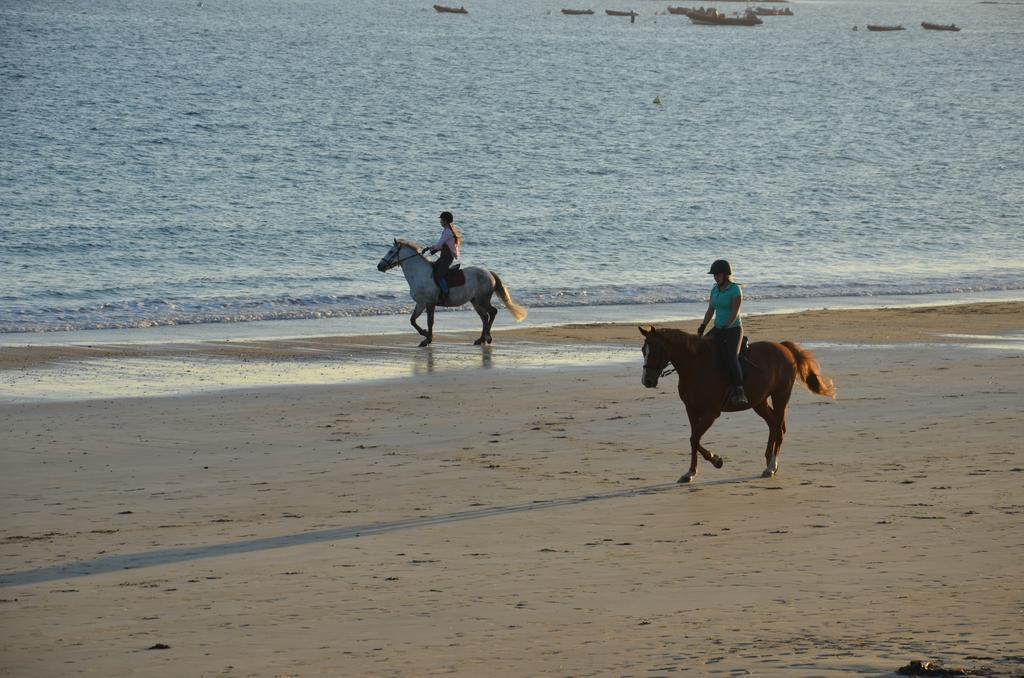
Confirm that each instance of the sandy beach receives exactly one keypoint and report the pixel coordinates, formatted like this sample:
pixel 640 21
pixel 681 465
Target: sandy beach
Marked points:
pixel 522 522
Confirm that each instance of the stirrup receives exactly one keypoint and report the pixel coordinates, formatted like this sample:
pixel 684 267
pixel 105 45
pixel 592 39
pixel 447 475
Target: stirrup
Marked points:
pixel 739 397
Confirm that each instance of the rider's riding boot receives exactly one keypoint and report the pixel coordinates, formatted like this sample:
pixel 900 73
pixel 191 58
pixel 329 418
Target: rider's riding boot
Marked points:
pixel 739 397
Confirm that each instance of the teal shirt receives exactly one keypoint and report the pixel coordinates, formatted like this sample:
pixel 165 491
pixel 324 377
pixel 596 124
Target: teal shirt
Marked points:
pixel 722 301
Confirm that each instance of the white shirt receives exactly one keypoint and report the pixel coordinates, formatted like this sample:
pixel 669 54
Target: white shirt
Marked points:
pixel 447 238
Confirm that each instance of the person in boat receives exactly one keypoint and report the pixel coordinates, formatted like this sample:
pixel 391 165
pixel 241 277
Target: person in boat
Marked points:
pixel 726 298
pixel 448 245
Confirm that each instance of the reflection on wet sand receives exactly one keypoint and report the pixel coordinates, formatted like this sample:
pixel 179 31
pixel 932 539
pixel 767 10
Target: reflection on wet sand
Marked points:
pixel 250 366
pixel 80 372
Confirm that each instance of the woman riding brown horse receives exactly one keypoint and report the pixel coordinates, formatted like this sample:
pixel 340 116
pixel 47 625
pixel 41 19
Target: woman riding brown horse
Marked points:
pixel 705 390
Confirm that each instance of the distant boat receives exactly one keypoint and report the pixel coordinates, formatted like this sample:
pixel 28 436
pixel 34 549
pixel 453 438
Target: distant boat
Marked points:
pixel 773 11
pixel 578 12
pixel 872 27
pixel 939 27
pixel 451 10
pixel 679 10
pixel 617 12
pixel 712 17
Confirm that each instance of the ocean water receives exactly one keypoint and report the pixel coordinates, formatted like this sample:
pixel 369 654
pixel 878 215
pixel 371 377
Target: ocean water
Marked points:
pixel 183 162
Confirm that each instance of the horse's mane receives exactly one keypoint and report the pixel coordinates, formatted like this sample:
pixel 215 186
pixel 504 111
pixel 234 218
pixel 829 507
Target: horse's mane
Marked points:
pixel 674 338
pixel 410 243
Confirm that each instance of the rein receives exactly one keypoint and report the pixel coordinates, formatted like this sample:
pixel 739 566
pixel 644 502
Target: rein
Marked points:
pixel 399 261
pixel 667 371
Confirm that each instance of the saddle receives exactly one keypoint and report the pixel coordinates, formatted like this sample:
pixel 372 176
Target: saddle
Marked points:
pixel 745 364
pixel 455 277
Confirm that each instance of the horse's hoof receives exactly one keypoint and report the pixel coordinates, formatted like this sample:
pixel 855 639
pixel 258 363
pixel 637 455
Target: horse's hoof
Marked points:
pixel 488 338
pixel 685 479
pixel 478 341
pixel 425 342
pixel 768 473
pixel 717 461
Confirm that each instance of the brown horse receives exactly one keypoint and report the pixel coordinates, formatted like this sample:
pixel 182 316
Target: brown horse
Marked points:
pixel 704 387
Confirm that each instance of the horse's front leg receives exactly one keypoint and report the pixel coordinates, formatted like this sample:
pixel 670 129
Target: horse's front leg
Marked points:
pixel 699 424
pixel 715 459
pixel 416 314
pixel 429 334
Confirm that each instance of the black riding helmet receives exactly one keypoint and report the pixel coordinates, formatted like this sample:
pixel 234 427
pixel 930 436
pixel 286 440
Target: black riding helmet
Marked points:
pixel 720 266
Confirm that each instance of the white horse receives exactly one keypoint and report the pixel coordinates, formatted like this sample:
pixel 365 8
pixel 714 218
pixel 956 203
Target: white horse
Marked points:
pixel 480 285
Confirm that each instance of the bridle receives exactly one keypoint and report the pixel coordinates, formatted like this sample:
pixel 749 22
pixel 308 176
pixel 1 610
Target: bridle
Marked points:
pixel 667 371
pixel 400 260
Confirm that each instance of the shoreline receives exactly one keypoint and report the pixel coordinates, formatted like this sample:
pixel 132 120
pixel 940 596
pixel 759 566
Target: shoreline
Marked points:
pixel 101 343
pixel 465 320
pixel 90 372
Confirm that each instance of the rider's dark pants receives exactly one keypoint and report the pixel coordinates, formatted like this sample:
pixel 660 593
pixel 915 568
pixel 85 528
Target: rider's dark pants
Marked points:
pixel 441 266
pixel 728 340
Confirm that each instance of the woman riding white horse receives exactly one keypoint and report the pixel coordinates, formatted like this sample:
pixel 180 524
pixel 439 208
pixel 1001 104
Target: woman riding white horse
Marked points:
pixel 480 285
pixel 448 246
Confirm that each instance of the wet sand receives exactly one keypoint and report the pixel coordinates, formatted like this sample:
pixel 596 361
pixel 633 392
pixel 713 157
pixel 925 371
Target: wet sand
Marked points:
pixel 523 521
pixel 854 326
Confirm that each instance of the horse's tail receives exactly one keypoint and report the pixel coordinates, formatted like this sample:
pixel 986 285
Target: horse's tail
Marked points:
pixel 517 311
pixel 810 372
